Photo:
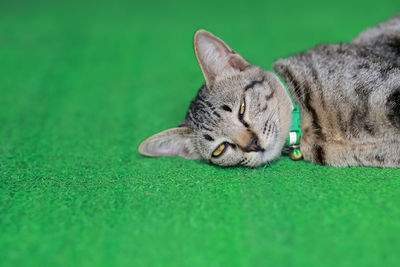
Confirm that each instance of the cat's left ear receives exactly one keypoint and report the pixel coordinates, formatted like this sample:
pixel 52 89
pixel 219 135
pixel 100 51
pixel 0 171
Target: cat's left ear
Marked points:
pixel 171 142
pixel 215 57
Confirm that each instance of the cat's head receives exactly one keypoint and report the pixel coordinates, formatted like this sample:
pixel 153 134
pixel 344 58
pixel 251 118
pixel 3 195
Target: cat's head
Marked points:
pixel 240 116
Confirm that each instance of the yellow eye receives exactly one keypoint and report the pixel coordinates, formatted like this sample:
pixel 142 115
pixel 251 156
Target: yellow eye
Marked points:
pixel 242 107
pixel 219 150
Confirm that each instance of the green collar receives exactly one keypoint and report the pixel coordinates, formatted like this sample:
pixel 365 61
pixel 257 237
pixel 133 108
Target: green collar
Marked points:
pixel 295 130
pixel 293 139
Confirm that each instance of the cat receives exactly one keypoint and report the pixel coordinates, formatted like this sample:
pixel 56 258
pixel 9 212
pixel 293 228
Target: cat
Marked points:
pixel 348 95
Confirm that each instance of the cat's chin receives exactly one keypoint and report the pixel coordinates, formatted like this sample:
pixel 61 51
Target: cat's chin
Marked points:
pixel 272 152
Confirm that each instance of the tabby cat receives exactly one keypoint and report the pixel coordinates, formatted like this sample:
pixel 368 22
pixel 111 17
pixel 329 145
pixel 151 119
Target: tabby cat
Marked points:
pixel 348 95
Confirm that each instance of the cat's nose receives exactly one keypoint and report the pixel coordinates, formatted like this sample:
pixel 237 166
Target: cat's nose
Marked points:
pixel 254 145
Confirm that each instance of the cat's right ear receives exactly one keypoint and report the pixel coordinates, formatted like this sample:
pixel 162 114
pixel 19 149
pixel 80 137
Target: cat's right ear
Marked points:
pixel 171 142
pixel 215 57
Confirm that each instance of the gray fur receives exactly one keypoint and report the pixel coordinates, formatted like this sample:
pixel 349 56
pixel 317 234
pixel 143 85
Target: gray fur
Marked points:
pixel 348 95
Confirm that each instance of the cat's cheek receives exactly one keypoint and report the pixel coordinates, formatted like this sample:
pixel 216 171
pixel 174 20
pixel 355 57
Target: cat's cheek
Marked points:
pixel 231 159
pixel 253 159
pixel 219 163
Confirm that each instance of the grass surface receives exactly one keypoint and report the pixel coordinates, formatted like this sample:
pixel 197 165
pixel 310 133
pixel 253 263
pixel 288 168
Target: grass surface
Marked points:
pixel 82 84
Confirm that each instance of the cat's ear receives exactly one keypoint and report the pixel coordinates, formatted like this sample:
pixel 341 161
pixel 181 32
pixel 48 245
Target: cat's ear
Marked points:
pixel 215 57
pixel 171 142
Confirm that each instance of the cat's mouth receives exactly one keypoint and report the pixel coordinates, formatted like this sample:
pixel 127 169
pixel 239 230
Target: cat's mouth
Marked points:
pixel 269 133
pixel 271 144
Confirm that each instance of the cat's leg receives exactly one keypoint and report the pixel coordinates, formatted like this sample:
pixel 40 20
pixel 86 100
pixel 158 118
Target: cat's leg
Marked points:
pixel 348 153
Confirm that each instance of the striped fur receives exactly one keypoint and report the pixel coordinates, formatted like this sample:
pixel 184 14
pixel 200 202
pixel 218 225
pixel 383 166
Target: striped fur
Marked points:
pixel 349 98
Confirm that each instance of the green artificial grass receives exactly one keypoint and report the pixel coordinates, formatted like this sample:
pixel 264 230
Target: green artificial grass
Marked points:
pixel 81 85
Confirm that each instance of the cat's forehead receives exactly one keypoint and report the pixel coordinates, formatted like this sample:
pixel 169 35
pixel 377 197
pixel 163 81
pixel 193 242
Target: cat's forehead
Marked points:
pixel 236 82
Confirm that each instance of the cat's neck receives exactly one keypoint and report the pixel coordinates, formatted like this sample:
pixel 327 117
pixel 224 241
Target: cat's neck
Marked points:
pixel 293 139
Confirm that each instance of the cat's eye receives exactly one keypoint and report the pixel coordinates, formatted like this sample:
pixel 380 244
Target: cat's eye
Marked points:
pixel 242 107
pixel 217 152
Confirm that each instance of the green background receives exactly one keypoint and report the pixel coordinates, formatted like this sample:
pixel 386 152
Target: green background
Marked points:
pixel 81 85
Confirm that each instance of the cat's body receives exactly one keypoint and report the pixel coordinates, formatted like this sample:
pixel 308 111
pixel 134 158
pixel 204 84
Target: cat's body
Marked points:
pixel 349 98
pixel 348 95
